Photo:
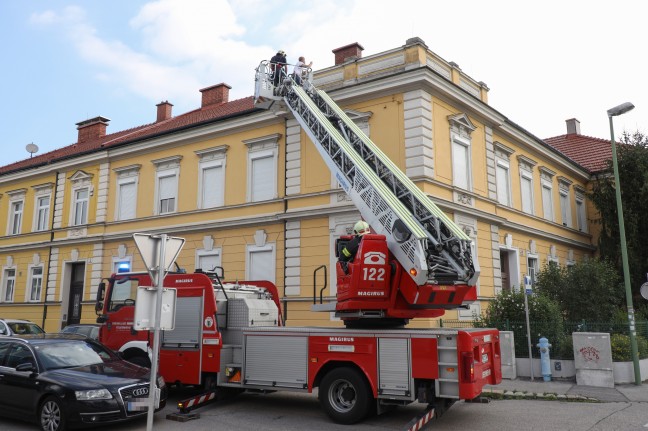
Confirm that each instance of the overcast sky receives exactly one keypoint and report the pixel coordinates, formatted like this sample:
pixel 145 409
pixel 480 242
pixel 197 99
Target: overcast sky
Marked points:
pixel 544 62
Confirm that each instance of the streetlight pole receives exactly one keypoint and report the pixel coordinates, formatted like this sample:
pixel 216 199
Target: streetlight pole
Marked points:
pixel 613 112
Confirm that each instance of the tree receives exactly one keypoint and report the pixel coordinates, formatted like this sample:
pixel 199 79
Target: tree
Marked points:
pixel 590 290
pixel 633 174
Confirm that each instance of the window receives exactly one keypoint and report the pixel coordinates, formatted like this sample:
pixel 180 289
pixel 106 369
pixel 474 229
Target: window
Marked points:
pixel 42 212
pixel 503 182
pixel 15 217
pixel 526 188
pixel 208 261
pixel 262 168
pixel 8 285
pixel 168 188
pixel 532 268
pixel 166 191
pixel 261 263
pixel 580 214
pixel 127 199
pixel 547 200
pixel 80 206
pixel 35 283
pixel 565 210
pixel 212 185
pixel 461 163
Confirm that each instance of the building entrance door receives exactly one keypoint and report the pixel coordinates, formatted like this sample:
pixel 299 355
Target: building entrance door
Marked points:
pixel 76 293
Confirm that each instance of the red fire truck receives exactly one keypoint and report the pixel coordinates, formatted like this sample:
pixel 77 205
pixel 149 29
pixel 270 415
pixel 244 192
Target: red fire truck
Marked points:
pixel 230 337
pixel 416 264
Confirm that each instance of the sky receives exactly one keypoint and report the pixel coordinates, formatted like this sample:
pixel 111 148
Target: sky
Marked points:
pixel 544 62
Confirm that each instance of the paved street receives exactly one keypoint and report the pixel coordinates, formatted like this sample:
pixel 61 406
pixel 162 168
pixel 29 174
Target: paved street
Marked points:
pixel 298 412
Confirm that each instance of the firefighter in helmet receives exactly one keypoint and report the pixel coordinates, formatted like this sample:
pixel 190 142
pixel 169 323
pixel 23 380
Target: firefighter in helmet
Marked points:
pixel 351 248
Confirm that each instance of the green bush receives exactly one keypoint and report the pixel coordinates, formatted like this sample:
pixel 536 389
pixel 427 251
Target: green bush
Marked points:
pixel 622 351
pixel 506 313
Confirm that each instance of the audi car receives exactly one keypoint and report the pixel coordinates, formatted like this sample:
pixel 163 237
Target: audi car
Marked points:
pixel 63 381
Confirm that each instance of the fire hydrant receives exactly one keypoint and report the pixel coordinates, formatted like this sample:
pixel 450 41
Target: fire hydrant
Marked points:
pixel 545 360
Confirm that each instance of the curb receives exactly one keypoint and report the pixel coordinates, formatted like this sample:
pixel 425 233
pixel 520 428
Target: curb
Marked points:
pixel 500 394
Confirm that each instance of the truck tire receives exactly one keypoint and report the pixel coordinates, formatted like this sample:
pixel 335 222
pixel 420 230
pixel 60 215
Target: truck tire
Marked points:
pixel 142 361
pixel 345 395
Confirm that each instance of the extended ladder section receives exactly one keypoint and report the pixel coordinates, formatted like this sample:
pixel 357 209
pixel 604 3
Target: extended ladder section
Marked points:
pixel 431 247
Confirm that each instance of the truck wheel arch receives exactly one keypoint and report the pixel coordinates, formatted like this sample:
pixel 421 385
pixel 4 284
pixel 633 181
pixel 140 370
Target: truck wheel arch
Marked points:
pixel 135 349
pixel 331 365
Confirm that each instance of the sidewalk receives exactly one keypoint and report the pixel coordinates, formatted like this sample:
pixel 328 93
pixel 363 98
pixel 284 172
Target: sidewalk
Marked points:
pixel 567 390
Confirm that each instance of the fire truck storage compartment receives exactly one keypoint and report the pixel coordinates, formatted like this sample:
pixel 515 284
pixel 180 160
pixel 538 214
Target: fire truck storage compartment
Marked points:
pixel 275 360
pixel 248 312
pixel 394 377
pixel 188 324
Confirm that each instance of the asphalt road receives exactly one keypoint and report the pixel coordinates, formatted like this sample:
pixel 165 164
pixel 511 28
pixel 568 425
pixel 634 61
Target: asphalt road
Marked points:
pixel 299 412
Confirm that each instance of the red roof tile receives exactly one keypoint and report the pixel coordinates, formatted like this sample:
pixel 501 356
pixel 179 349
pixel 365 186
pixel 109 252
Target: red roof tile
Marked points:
pixel 591 153
pixel 192 118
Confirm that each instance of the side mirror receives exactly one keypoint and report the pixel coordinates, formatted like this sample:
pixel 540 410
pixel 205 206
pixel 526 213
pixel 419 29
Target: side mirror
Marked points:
pixel 100 291
pixel 98 306
pixel 102 318
pixel 25 366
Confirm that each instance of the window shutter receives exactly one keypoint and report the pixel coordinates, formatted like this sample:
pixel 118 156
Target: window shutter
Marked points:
pixel 212 187
pixel 547 204
pixel 460 165
pixel 527 204
pixel 502 185
pixel 127 201
pixel 261 265
pixel 263 180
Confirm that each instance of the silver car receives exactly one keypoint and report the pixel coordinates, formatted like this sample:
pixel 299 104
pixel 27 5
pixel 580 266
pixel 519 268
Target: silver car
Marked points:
pixel 14 327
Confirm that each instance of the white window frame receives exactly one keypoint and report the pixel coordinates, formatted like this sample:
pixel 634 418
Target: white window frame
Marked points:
pixel 42 212
pixel 526 176
pixel 465 146
pixel 547 205
pixel 16 212
pixel 83 204
pixel 251 249
pixel 116 261
pixel 80 181
pixel 166 167
pixel 581 212
pixel 206 253
pixel 126 175
pixel 532 270
pixel 211 158
pixel 503 168
pixel 259 148
pixel 5 279
pixel 29 292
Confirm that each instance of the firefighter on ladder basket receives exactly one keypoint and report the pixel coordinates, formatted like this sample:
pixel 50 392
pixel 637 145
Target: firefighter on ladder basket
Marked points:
pixel 349 251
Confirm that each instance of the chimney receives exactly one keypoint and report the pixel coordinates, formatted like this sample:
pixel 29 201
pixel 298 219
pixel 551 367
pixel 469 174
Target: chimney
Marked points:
pixel 215 95
pixel 348 52
pixel 91 129
pixel 163 111
pixel 573 126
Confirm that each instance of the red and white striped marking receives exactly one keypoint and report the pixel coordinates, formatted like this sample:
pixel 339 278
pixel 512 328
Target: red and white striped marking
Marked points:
pixel 418 424
pixel 198 400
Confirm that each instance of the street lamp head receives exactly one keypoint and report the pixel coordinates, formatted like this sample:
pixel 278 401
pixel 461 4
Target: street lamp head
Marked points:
pixel 621 109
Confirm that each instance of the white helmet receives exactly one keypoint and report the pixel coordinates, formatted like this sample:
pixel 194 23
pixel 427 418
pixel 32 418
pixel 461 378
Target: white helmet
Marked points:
pixel 361 228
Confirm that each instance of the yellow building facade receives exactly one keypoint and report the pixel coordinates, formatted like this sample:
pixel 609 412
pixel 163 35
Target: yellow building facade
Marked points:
pixel 248 191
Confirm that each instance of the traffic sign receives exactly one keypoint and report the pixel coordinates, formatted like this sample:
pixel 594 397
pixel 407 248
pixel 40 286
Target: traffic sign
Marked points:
pixel 149 248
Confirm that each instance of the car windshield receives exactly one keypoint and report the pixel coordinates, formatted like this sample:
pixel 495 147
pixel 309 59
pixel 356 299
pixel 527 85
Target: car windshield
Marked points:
pixel 70 354
pixel 25 328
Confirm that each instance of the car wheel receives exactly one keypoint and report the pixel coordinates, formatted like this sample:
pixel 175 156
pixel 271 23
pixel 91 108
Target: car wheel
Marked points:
pixel 51 416
pixel 142 361
pixel 345 395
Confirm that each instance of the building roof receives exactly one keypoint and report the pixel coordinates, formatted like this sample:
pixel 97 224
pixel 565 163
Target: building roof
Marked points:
pixel 591 153
pixel 196 117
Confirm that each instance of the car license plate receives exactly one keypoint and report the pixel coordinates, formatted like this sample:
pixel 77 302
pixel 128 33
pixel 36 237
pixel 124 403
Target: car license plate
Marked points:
pixel 484 357
pixel 137 406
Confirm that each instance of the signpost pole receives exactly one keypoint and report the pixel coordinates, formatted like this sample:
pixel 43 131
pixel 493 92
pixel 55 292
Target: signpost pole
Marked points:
pixel 527 292
pixel 159 285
